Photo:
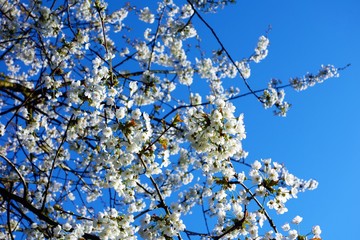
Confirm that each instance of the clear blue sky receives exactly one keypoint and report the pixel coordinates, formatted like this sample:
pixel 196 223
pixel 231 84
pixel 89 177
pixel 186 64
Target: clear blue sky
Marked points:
pixel 320 136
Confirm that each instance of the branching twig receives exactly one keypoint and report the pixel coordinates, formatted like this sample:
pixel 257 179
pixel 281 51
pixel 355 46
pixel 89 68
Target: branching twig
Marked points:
pixel 237 225
pixel 54 161
pixel 40 214
pixel 223 49
pixel 18 173
pixel 271 222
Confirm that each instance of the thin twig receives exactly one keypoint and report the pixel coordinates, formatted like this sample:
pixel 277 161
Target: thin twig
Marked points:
pixel 224 49
pixel 18 173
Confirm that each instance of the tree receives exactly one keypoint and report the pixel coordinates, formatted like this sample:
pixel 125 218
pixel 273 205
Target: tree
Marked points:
pixel 104 134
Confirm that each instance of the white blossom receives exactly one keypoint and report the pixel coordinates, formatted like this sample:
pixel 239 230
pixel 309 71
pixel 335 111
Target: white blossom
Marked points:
pixel 297 220
pixel 146 15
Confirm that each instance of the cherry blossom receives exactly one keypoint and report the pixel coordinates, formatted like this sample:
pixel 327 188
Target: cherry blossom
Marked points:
pixel 117 124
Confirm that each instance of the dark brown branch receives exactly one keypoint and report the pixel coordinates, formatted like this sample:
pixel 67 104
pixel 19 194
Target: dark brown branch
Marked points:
pixel 40 214
pixel 236 226
pixel 88 236
pixel 15 87
pixel 18 173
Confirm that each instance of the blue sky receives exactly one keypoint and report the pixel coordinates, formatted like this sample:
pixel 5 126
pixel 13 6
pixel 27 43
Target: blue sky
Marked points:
pixel 320 136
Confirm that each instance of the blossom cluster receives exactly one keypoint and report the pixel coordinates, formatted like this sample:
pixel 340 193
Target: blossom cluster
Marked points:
pixel 261 50
pixel 309 80
pixel 274 96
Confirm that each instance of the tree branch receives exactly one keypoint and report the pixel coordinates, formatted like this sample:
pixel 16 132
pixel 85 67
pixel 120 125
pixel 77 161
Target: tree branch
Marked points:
pixel 40 214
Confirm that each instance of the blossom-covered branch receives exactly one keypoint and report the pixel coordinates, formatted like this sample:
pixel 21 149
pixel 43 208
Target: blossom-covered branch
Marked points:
pixel 115 124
